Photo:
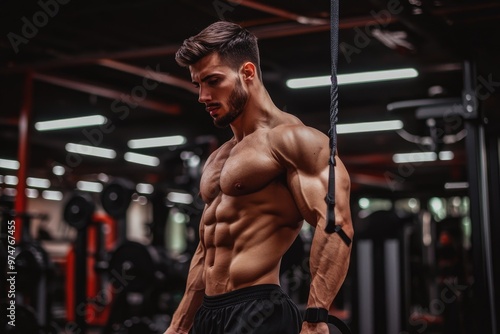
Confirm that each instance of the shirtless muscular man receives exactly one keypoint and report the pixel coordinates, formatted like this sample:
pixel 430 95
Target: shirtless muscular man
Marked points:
pixel 258 188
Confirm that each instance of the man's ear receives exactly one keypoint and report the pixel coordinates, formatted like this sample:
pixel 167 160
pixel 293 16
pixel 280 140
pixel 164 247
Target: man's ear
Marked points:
pixel 248 70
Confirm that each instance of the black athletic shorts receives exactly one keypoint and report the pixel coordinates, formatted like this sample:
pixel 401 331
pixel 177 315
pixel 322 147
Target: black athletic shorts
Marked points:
pixel 260 309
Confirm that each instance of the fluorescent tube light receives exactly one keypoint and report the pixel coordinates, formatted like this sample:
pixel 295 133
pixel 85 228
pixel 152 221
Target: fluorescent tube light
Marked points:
pixel 456 185
pixel 94 187
pixel 9 164
pixel 157 142
pixel 142 159
pixel 10 192
pixel 353 78
pixel 400 158
pixel 91 150
pixel 52 195
pixel 421 156
pixel 37 183
pixel 104 178
pixel 58 170
pixel 144 188
pixel 446 155
pixel 181 198
pixel 31 193
pixel 369 127
pixel 10 180
pixel 76 122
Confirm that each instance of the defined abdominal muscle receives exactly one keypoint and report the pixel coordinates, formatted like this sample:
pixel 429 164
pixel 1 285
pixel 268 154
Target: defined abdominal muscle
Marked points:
pixel 230 272
pixel 245 237
pixel 245 252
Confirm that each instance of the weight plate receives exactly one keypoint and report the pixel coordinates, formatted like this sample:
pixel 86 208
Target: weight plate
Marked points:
pixel 31 264
pixel 132 267
pixel 79 210
pixel 116 197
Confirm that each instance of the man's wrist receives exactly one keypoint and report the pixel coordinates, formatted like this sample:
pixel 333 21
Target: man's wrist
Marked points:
pixel 316 315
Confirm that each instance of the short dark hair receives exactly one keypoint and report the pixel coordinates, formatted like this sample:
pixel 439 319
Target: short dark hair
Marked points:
pixel 234 44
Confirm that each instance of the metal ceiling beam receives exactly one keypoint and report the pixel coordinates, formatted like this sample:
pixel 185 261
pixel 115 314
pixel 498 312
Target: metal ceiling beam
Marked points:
pixel 465 8
pixel 113 94
pixel 87 59
pixel 431 28
pixel 12 121
pixel 283 13
pixel 145 73
pixel 292 28
pixel 262 32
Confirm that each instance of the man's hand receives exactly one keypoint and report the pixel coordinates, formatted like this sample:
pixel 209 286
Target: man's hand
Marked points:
pixel 314 328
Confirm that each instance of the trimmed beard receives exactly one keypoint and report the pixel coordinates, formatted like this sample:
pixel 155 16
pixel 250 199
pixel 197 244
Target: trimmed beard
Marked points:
pixel 237 101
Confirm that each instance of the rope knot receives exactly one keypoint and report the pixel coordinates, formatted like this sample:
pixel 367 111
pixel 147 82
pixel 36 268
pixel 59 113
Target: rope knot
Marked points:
pixel 330 199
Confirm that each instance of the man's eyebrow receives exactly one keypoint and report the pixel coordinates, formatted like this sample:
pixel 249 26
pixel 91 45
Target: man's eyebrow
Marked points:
pixel 205 78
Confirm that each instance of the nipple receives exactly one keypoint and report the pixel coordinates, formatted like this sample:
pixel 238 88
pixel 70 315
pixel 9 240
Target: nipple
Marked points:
pixel 238 186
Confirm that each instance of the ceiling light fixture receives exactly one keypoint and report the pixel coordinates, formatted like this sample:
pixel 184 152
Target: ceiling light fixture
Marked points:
pixel 31 193
pixel 144 188
pixel 369 127
pixel 10 192
pixel 94 187
pixel 91 150
pixel 180 198
pixel 37 183
pixel 157 142
pixel 446 155
pixel 9 164
pixel 52 195
pixel 353 78
pixel 142 159
pixel 421 157
pixel 456 185
pixel 10 180
pixel 76 122
pixel 58 170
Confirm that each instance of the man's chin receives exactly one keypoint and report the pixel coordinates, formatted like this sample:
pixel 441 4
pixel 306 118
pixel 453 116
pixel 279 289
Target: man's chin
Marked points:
pixel 220 125
pixel 224 121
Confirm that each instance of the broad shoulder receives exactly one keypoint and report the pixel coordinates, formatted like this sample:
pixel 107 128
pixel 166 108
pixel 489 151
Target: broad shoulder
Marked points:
pixel 297 137
pixel 298 144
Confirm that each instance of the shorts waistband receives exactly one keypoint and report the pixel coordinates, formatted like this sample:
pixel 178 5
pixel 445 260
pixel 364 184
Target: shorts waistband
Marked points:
pixel 262 291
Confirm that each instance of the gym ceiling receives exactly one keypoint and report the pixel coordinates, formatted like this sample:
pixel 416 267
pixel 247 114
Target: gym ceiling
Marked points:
pixel 115 58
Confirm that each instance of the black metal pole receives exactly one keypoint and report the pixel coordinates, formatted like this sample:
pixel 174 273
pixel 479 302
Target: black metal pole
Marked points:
pixel 81 280
pixel 484 303
pixel 493 141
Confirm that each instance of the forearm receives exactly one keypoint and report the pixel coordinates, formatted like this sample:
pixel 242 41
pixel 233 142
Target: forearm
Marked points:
pixel 329 262
pixel 183 318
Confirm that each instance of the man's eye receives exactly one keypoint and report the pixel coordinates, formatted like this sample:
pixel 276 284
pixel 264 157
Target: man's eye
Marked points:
pixel 213 82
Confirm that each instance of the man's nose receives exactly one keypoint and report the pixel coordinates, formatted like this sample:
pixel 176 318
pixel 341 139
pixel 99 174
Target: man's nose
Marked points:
pixel 203 95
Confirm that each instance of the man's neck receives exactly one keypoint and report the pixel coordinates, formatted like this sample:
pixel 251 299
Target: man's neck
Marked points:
pixel 259 112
